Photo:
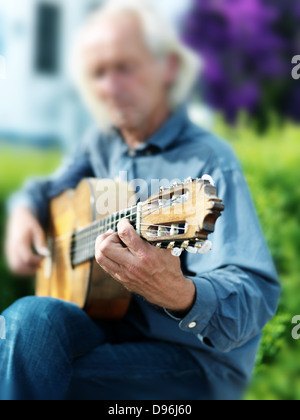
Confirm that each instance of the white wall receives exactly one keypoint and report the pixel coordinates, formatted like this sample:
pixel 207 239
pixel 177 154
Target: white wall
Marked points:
pixel 33 104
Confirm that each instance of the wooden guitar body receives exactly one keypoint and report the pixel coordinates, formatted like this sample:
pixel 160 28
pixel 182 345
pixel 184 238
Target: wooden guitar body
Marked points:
pixel 86 285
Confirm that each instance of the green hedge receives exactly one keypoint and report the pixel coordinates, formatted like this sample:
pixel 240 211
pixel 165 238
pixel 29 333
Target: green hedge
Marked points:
pixel 271 164
pixel 16 164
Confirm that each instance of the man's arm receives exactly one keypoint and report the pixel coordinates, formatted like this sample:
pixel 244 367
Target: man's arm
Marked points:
pixel 235 289
pixel 37 193
pixel 28 214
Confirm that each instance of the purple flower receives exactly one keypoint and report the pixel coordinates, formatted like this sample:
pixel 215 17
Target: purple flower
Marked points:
pixel 247 46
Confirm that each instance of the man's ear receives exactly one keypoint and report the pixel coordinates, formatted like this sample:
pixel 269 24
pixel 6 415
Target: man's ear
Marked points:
pixel 172 68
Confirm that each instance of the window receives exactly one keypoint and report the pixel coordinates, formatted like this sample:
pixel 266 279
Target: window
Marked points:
pixel 47 39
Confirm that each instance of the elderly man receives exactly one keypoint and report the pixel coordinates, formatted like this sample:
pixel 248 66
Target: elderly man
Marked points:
pixel 194 326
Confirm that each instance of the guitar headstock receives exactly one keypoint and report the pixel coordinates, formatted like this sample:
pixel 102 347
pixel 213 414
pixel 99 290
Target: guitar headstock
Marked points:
pixel 181 217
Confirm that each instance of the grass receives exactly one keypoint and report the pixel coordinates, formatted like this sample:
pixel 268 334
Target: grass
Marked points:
pixel 16 164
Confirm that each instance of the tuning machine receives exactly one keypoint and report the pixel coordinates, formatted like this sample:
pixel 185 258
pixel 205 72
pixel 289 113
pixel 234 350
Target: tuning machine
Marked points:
pixel 204 247
pixel 209 179
pixel 200 247
pixel 192 250
pixel 176 252
pixel 189 180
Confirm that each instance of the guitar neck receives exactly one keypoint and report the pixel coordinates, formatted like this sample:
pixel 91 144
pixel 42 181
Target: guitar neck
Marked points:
pixel 83 241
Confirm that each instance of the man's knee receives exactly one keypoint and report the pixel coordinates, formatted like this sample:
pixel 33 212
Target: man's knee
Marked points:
pixel 32 310
pixel 48 321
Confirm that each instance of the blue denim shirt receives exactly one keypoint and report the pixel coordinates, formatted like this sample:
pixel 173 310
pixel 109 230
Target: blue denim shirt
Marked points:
pixel 237 285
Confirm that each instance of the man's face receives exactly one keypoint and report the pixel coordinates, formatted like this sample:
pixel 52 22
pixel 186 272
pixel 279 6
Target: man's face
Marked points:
pixel 124 74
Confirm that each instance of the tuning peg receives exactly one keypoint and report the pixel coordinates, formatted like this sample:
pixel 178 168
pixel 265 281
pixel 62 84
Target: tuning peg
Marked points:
pixel 209 179
pixel 192 250
pixel 171 245
pixel 205 247
pixel 174 230
pixel 189 180
pixel 159 245
pixel 177 184
pixel 185 244
pixel 162 231
pixel 161 189
pixel 176 252
pixel 198 244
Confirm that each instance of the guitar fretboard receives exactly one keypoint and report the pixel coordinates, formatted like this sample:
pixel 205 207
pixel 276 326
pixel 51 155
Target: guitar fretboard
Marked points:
pixel 83 241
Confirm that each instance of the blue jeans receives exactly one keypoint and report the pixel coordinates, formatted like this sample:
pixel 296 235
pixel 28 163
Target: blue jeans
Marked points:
pixel 54 351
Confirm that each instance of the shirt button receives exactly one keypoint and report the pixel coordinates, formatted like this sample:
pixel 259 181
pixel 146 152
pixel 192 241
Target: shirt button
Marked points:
pixel 192 325
pixel 132 153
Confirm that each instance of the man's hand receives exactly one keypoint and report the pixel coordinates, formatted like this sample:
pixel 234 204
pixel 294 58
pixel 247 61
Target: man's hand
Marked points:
pixel 143 269
pixel 23 234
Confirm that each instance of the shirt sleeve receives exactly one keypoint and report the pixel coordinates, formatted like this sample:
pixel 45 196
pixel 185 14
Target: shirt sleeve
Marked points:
pixel 37 192
pixel 237 288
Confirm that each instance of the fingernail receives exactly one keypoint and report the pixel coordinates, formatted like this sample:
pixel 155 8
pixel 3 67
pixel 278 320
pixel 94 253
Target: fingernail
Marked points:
pixel 44 252
pixel 110 231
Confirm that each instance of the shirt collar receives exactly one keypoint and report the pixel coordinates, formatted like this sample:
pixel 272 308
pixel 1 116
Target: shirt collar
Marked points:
pixel 167 134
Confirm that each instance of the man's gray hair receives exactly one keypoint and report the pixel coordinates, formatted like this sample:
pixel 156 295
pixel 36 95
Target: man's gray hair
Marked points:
pixel 162 40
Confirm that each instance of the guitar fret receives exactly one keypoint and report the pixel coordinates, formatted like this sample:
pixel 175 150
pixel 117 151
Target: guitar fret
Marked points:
pixel 131 214
pixel 83 245
pixel 115 228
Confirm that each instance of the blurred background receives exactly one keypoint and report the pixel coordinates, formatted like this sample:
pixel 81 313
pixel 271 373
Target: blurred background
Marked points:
pixel 246 94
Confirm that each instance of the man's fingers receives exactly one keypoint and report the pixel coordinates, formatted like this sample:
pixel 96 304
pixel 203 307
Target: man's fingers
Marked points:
pixel 26 271
pixel 29 258
pixel 102 238
pixel 130 238
pixel 24 263
pixel 39 242
pixel 110 246
pixel 106 263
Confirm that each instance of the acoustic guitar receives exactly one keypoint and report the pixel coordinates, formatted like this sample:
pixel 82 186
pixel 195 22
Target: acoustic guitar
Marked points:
pixel 179 218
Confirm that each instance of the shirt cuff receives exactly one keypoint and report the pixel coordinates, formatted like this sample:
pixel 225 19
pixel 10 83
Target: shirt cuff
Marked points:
pixel 20 200
pixel 204 308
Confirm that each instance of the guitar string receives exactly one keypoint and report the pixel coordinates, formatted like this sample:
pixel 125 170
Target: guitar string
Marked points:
pixel 61 259
pixel 96 224
pixel 68 235
pixel 146 203
pixel 88 232
pixel 97 231
pixel 92 242
pixel 90 245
